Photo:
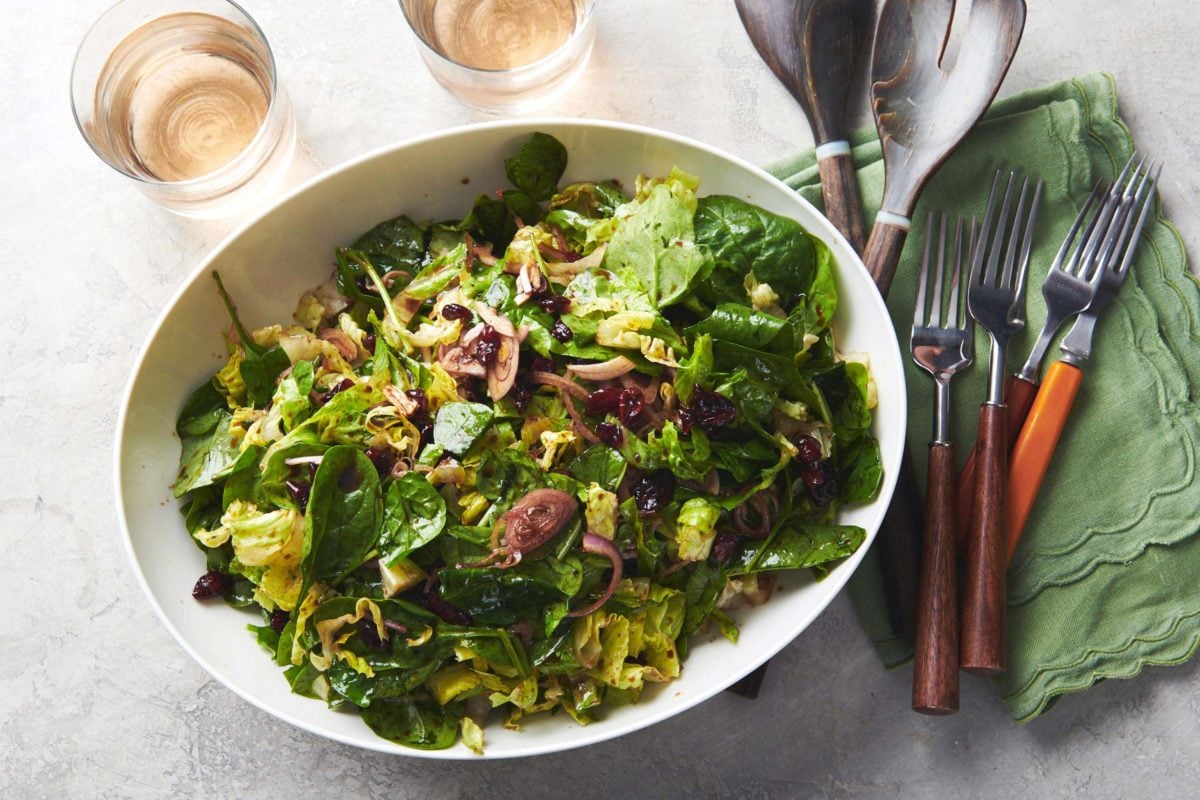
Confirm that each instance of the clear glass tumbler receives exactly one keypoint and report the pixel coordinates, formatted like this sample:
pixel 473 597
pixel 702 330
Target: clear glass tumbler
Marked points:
pixel 503 56
pixel 182 98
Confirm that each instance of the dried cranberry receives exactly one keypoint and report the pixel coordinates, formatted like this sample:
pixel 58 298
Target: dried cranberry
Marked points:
pixel 604 401
pixel 455 311
pixel 369 343
pixel 724 545
pixel 561 332
pixel 685 421
pixel 554 303
pixel 426 431
pixel 629 406
pixel 279 620
pixel 541 364
pixel 420 401
pixel 810 449
pixel 434 602
pixel 299 493
pixel 384 458
pixel 488 345
pixel 820 482
pixel 610 434
pixel 369 636
pixel 341 386
pixel 653 493
pixel 521 396
pixel 212 584
pixel 710 409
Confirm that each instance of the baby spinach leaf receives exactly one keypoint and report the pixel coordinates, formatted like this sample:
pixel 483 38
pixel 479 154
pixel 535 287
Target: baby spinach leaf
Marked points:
pixel 740 324
pixel 458 425
pixel 744 238
pixel 413 721
pixel 201 411
pixel 862 470
pixel 798 544
pixel 261 367
pixel 821 299
pixel 259 373
pixel 414 514
pixel 599 464
pixel 341 523
pixel 656 246
pixel 496 597
pixel 537 166
pixel 396 244
pixel 206 458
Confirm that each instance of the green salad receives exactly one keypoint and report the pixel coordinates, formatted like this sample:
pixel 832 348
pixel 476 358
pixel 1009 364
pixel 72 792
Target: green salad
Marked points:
pixel 508 464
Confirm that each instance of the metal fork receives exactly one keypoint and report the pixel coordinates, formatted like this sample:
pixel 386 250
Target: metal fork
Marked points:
pixel 1071 284
pixel 943 349
pixel 996 299
pixel 1048 415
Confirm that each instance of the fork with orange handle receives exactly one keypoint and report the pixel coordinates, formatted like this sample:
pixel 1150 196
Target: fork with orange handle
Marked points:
pixel 1034 448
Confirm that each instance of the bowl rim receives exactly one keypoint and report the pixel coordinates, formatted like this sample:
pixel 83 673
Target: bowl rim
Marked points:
pixel 600 732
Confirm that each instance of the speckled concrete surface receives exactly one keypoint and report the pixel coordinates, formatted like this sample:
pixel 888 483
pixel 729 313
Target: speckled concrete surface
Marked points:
pixel 97 700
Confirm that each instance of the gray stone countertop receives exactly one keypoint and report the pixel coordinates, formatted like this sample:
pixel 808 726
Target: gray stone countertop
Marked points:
pixel 97 700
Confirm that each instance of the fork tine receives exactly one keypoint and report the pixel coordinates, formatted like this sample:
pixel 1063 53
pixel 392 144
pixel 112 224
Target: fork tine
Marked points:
pixel 1069 239
pixel 965 318
pixel 1100 196
pixel 1010 251
pixel 1027 243
pixel 981 245
pixel 923 278
pixel 935 306
pixel 993 263
pixel 1128 246
pixel 952 320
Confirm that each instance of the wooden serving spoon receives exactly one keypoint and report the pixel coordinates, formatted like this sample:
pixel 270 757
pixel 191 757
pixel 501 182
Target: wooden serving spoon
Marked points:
pixel 812 46
pixel 923 108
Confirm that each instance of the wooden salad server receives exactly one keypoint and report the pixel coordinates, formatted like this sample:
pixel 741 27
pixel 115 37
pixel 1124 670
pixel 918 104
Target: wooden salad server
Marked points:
pixel 813 47
pixel 923 107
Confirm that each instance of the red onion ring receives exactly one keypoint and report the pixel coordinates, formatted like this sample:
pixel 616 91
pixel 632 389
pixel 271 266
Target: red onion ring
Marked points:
pixel 595 543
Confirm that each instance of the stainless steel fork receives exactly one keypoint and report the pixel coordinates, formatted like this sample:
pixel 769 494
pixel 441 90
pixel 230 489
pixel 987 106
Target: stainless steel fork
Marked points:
pixel 996 299
pixel 943 349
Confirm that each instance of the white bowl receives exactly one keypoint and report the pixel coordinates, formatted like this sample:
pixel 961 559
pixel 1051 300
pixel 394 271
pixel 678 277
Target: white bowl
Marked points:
pixel 269 262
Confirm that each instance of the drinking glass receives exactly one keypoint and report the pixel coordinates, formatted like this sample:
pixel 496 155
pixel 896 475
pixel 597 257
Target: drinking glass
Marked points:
pixel 503 56
pixel 182 98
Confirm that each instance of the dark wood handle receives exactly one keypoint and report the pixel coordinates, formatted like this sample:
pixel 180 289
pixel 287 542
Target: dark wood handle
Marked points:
pixel 839 185
pixel 1018 397
pixel 935 665
pixel 883 254
pixel 899 544
pixel 983 590
pixel 749 686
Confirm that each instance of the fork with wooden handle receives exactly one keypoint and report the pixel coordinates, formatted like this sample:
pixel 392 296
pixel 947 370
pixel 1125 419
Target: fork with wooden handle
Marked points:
pixel 943 349
pixel 1048 415
pixel 996 299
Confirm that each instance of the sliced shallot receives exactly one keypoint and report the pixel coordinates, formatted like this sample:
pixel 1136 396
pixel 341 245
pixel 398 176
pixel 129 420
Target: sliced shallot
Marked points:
pixel 595 543
pixel 603 371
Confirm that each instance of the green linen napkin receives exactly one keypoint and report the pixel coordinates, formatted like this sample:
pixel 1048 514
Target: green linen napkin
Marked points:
pixel 1104 581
